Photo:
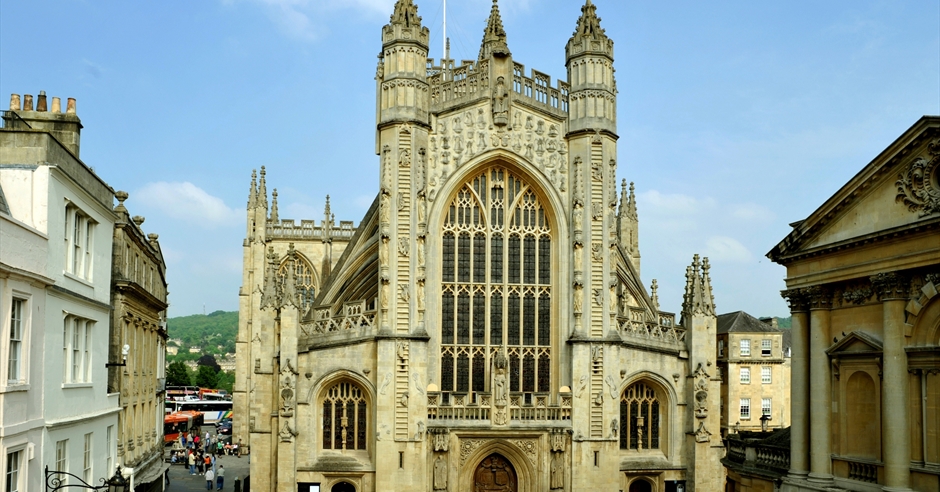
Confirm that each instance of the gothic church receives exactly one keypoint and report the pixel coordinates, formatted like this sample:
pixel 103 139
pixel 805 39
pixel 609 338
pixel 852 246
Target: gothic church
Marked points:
pixel 485 326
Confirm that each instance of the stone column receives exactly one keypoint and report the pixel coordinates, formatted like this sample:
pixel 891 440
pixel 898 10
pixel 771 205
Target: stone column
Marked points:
pixel 893 290
pixel 820 385
pixel 799 384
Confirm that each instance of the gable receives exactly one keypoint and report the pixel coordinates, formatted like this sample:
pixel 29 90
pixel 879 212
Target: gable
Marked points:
pixel 897 191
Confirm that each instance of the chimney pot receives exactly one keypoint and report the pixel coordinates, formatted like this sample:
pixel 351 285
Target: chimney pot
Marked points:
pixel 27 102
pixel 70 108
pixel 15 102
pixel 41 102
pixel 56 105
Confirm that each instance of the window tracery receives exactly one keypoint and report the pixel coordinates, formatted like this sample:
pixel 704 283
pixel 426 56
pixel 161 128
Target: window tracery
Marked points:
pixel 345 417
pixel 496 283
pixel 640 418
pixel 303 275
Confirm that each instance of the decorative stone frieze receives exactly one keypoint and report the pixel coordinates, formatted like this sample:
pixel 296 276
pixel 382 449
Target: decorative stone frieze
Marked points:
pixel 891 286
pixel 919 184
pixel 819 297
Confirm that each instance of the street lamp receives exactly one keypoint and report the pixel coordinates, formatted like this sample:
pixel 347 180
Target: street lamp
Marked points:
pixel 59 480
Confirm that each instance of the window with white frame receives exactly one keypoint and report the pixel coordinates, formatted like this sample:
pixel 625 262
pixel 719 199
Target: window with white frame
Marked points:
pixel 62 455
pixel 109 440
pixel 18 311
pixel 87 459
pixel 745 408
pixel 765 347
pixel 79 236
pixel 745 348
pixel 745 375
pixel 765 375
pixel 14 474
pixel 721 348
pixel 765 406
pixel 76 348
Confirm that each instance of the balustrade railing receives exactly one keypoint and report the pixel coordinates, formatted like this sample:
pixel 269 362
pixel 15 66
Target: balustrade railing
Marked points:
pixel 523 407
pixel 353 316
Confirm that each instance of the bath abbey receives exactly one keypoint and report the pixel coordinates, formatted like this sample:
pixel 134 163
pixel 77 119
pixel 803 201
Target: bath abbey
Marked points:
pixel 484 326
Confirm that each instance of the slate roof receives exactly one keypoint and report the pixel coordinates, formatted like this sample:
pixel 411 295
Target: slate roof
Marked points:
pixel 741 322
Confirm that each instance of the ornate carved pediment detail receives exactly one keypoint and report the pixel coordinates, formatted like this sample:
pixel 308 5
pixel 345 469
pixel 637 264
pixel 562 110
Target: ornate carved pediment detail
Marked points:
pixel 468 446
pixel 440 438
pixel 891 285
pixel 529 447
pixel 919 184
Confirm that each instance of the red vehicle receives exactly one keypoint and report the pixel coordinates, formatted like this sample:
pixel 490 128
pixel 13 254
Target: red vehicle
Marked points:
pixel 176 423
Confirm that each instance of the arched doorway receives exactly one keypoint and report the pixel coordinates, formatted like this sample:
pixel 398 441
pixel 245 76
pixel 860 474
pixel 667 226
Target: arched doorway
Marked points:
pixel 343 487
pixel 494 473
pixel 641 485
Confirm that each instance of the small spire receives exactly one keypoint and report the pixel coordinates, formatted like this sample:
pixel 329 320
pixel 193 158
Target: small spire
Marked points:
pixel 327 220
pixel 623 199
pixel 262 191
pixel 698 299
pixel 589 24
pixel 406 14
pixel 631 203
pixel 253 193
pixel 654 297
pixel 269 291
pixel 289 292
pixel 494 36
pixel 274 217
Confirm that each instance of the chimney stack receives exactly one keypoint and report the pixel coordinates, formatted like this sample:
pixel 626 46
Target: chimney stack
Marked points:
pixel 65 127
pixel 41 102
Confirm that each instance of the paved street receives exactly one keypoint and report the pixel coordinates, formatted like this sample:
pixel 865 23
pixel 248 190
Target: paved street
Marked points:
pixel 181 480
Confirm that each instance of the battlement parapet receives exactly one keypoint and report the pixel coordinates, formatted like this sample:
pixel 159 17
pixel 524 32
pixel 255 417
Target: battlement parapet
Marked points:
pixel 309 229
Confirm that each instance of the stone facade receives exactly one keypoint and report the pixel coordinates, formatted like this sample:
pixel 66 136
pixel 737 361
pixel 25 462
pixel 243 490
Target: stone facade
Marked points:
pixel 55 287
pixel 862 277
pixel 755 368
pixel 139 303
pixel 485 325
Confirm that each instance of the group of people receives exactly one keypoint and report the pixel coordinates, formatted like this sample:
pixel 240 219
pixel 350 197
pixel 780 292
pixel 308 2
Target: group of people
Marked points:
pixel 200 454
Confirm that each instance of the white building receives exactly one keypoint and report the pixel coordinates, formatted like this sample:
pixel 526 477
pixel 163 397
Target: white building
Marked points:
pixel 56 224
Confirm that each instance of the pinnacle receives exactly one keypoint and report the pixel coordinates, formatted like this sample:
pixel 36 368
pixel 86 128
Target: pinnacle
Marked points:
pixel 589 24
pixel 406 13
pixel 494 36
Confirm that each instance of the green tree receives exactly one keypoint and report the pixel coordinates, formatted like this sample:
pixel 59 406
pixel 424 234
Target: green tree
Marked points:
pixel 177 374
pixel 226 381
pixel 207 377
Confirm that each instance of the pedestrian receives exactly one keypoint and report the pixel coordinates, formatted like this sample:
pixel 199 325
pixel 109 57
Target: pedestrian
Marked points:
pixel 200 464
pixel 209 478
pixel 183 439
pixel 192 463
pixel 196 441
pixel 208 462
pixel 218 477
pixel 221 447
pixel 207 437
pixel 213 464
pixel 166 476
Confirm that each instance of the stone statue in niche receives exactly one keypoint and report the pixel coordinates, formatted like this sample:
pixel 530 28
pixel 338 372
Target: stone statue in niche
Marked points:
pixel 440 473
pixel 481 143
pixel 419 294
pixel 578 257
pixel 500 384
pixel 384 296
pixel 403 399
pixel 612 298
pixel 383 251
pixel 385 383
pixel 597 211
pixel 614 428
pixel 422 208
pixel 516 119
pixel 578 216
pixel 456 126
pixel 421 168
pixel 500 103
pixel 578 299
pixel 557 471
pixel 384 213
pixel 481 121
pixel 420 241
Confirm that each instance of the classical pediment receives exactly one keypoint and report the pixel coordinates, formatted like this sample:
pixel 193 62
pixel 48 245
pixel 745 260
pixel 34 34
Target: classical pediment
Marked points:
pixel 857 342
pixel 895 193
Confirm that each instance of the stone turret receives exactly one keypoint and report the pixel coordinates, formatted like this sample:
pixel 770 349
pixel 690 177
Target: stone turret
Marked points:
pixel 494 36
pixel 65 127
pixel 589 57
pixel 401 76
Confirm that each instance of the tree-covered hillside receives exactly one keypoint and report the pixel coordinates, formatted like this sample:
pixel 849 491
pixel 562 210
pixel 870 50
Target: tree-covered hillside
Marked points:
pixel 213 334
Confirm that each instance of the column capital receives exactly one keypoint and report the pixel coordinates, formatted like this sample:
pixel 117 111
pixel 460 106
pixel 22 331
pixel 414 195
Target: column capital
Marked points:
pixel 891 286
pixel 819 297
pixel 797 300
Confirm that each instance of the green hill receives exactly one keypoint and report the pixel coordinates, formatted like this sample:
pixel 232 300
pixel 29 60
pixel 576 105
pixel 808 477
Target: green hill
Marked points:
pixel 214 333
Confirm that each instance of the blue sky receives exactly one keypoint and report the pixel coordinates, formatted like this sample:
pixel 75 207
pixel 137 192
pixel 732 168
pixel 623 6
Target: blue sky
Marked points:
pixel 735 118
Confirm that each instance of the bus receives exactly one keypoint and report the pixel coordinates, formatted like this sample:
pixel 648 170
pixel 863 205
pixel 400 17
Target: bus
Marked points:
pixel 213 411
pixel 180 393
pixel 176 423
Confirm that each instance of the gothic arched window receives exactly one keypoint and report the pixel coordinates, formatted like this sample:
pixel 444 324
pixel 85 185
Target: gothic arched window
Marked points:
pixel 303 275
pixel 640 418
pixel 345 417
pixel 496 285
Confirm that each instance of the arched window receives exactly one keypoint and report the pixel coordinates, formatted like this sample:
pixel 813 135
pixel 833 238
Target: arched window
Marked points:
pixel 345 417
pixel 640 418
pixel 303 275
pixel 496 285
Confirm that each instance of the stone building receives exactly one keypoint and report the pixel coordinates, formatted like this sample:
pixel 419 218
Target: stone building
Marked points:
pixel 862 277
pixel 755 370
pixel 138 340
pixel 485 325
pixel 55 285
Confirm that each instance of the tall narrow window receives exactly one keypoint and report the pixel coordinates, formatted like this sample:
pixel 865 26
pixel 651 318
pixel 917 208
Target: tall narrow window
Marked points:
pixel 109 441
pixel 62 455
pixel 303 276
pixel 496 283
pixel 745 348
pixel 345 417
pixel 765 404
pixel 77 349
pixel 745 375
pixel 13 472
pixel 87 459
pixel 745 408
pixel 639 413
pixel 79 235
pixel 765 347
pixel 15 347
pixel 765 377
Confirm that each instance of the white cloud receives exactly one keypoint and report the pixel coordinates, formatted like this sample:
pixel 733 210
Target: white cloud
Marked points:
pixel 726 249
pixel 187 202
pixel 751 212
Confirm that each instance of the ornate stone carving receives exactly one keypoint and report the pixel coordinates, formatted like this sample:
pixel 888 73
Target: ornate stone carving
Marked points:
pixel 701 392
pixel 287 433
pixel 440 473
pixel 614 428
pixel 557 471
pixel 582 385
pixel 597 211
pixel 500 384
pixel 891 285
pixel 819 297
pixel 500 103
pixel 468 446
pixel 417 380
pixel 858 294
pixel 529 447
pixel 702 434
pixel 797 299
pixel 611 386
pixel 596 173
pixel 597 251
pixel 384 387
pixel 403 246
pixel 919 184
pixel 404 293
pixel 441 438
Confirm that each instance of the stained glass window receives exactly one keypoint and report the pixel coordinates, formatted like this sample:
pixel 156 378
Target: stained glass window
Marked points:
pixel 496 285
pixel 345 417
pixel 640 418
pixel 303 275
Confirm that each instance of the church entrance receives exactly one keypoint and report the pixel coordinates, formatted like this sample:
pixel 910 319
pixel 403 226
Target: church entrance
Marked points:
pixel 343 487
pixel 641 485
pixel 494 474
